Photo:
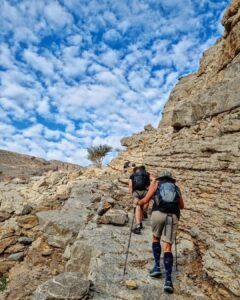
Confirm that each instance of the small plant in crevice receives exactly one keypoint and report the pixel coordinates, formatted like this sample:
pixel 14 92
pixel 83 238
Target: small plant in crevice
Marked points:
pixel 3 283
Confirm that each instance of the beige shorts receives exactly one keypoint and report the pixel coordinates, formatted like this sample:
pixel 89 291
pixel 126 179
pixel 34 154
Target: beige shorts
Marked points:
pixel 139 194
pixel 164 226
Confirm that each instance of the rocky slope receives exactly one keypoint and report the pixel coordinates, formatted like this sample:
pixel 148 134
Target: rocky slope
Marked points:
pixel 198 139
pixel 22 166
pixel 64 233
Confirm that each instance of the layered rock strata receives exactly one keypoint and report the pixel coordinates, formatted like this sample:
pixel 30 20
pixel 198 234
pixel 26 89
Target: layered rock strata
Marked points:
pixel 198 139
pixel 64 235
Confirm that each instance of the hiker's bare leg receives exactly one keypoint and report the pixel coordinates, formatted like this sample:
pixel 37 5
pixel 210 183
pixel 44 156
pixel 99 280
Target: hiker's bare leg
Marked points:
pixel 156 239
pixel 138 214
pixel 167 247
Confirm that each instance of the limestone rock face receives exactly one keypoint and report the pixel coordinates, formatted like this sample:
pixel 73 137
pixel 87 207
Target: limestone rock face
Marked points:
pixel 66 286
pixel 65 221
pixel 59 227
pixel 198 139
pixel 214 89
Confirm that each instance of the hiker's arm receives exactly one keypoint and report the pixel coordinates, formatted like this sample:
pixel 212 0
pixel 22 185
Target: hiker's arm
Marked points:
pixel 181 203
pixel 130 186
pixel 152 190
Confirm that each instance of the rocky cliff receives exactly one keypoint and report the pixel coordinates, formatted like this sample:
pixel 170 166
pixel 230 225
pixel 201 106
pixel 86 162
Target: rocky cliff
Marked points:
pixel 64 233
pixel 198 139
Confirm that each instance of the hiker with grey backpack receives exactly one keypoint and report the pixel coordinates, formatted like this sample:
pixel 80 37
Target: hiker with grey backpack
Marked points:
pixel 167 204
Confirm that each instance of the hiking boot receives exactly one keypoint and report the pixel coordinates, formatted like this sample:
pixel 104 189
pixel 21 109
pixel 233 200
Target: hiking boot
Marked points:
pixel 141 226
pixel 168 287
pixel 155 272
pixel 137 229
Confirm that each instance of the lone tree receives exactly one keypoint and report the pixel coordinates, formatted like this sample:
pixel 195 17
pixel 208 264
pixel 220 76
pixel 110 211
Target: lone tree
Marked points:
pixel 97 153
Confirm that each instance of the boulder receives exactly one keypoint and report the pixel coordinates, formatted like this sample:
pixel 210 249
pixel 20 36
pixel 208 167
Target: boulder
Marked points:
pixel 27 209
pixel 80 257
pixel 131 284
pixel 60 227
pixel 103 208
pixel 148 127
pixel 25 240
pixel 15 248
pixel 19 256
pixel 41 183
pixel 4 216
pixel 65 286
pixel 6 232
pixel 114 217
pixel 95 198
pixel 62 193
pixel 55 177
pixel 4 243
pixel 27 222
pixel 19 181
pixel 5 266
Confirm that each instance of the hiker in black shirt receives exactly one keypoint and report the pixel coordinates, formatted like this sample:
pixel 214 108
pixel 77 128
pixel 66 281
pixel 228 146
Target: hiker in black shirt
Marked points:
pixel 138 186
pixel 126 165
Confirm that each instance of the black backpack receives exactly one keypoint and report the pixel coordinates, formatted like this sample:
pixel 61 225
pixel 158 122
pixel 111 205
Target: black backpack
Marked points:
pixel 167 197
pixel 141 180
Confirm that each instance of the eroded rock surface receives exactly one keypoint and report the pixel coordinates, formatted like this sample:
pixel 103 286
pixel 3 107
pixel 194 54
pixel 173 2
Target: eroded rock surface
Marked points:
pixel 198 139
pixel 65 286
pixel 69 229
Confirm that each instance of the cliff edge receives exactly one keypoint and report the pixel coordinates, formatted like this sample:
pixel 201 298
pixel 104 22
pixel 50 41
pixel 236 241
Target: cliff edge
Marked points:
pixel 198 139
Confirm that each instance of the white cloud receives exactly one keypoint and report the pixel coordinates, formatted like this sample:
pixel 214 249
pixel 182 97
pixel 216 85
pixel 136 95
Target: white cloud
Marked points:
pixel 56 15
pixel 43 107
pixel 77 73
pixel 39 63
pixel 112 35
pixel 109 58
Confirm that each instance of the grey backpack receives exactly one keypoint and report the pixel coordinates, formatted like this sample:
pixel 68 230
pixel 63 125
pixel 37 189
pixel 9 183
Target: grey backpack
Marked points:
pixel 167 192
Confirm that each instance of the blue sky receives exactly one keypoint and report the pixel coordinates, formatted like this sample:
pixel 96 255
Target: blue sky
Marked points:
pixel 76 73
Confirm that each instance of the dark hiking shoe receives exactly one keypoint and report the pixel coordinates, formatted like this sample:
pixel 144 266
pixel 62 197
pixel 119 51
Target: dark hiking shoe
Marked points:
pixel 168 287
pixel 155 272
pixel 137 229
pixel 141 226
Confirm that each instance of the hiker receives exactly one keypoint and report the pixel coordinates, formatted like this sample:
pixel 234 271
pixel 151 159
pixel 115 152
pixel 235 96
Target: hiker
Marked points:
pixel 126 165
pixel 167 204
pixel 139 182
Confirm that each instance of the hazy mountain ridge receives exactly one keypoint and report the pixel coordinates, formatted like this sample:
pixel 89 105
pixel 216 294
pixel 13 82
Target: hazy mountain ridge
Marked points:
pixel 21 165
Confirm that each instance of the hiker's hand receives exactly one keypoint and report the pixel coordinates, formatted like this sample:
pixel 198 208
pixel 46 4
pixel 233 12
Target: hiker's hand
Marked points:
pixel 135 202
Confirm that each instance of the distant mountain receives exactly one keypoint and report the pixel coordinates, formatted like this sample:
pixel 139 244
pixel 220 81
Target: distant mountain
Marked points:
pixel 19 165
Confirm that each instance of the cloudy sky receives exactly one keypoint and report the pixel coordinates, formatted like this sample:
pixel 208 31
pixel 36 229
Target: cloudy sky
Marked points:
pixel 76 73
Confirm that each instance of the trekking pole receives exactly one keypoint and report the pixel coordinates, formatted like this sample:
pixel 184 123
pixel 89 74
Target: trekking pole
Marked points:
pixel 176 253
pixel 129 241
